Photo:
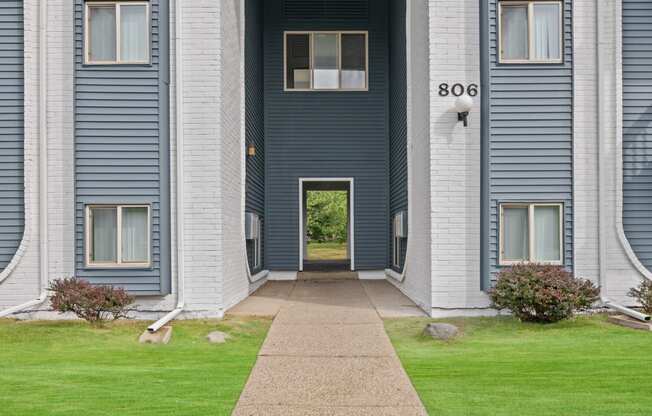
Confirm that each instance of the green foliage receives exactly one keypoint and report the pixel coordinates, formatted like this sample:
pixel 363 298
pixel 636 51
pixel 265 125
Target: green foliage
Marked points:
pixel 67 368
pixel 503 367
pixel 643 294
pixel 542 293
pixel 327 216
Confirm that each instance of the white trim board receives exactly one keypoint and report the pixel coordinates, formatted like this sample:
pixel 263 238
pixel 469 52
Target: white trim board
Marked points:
pixel 351 203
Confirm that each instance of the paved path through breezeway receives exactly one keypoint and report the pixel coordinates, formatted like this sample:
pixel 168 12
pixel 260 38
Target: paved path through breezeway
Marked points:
pixel 327 352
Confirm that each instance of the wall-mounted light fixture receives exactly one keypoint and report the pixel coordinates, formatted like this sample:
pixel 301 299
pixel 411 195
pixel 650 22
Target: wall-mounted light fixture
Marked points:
pixel 251 150
pixel 463 105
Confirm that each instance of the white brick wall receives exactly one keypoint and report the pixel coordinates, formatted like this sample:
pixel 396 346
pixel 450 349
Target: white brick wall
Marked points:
pixel 454 160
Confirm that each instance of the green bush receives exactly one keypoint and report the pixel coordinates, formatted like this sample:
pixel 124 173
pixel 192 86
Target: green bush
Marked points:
pixel 542 293
pixel 95 304
pixel 643 294
pixel 327 216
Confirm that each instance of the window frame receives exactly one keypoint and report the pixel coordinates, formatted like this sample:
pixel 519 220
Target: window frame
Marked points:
pixel 396 252
pixel 531 232
pixel 311 34
pixel 530 28
pixel 88 4
pixel 119 263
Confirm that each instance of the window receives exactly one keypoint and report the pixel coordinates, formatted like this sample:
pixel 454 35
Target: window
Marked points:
pixel 253 235
pixel 531 233
pixel 399 236
pixel 117 32
pixel 326 61
pixel 118 236
pixel 530 31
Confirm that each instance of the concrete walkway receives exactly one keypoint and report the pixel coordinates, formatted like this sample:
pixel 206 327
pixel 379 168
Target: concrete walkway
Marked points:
pixel 327 352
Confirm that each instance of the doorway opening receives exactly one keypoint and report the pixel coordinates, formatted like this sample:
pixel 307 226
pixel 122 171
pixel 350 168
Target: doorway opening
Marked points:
pixel 326 224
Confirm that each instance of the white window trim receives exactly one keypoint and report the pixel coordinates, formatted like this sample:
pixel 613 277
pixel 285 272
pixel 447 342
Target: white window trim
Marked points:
pixel 530 29
pixel 530 207
pixel 312 57
pixel 117 5
pixel 396 255
pixel 88 245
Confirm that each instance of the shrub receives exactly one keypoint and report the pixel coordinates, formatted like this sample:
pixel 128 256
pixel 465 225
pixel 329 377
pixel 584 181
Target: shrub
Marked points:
pixel 542 293
pixel 643 294
pixel 95 304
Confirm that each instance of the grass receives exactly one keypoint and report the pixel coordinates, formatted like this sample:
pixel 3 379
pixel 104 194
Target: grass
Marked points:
pixel 500 366
pixel 70 368
pixel 327 251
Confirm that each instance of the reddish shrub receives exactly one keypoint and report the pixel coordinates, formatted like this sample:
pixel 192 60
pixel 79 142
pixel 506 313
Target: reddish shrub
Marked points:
pixel 542 293
pixel 95 304
pixel 643 294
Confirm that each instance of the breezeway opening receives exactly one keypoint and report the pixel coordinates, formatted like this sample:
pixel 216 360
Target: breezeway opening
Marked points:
pixel 326 194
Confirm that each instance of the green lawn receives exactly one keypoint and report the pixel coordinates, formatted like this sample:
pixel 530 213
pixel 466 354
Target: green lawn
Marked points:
pixel 500 366
pixel 69 368
pixel 327 251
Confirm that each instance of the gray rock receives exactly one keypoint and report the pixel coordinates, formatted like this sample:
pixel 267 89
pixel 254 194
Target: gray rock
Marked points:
pixel 162 336
pixel 441 331
pixel 217 337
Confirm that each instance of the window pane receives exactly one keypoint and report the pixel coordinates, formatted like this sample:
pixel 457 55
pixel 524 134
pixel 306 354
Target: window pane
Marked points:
pixel 516 236
pixel 547 32
pixel 104 232
pixel 101 34
pixel 135 237
pixel 546 234
pixel 133 33
pixel 326 74
pixel 514 34
pixel 354 61
pixel 298 61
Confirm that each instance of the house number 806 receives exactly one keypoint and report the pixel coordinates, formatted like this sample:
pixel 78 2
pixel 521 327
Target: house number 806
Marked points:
pixel 457 90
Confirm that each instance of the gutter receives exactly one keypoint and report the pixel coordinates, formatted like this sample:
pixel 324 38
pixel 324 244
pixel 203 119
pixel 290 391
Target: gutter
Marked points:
pixel 179 173
pixel 603 135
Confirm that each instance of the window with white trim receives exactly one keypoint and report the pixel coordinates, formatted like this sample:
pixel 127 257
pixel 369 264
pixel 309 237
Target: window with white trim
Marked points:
pixel 530 31
pixel 118 236
pixel 322 61
pixel 117 32
pixel 531 232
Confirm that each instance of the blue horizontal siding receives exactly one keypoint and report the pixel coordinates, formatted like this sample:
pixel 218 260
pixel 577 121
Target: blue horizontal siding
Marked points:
pixel 637 127
pixel 530 134
pixel 119 134
pixel 12 216
pixel 255 114
pixel 327 134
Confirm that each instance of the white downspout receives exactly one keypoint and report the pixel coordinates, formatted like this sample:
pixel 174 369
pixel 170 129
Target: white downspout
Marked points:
pixel 603 135
pixel 178 61
pixel 43 165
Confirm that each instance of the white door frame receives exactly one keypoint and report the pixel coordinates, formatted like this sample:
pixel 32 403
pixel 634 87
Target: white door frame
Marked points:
pixel 351 221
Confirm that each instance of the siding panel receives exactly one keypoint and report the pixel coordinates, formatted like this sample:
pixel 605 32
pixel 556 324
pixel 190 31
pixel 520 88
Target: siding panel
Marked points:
pixel 398 115
pixel 255 113
pixel 12 217
pixel 637 127
pixel 327 134
pixel 530 133
pixel 121 146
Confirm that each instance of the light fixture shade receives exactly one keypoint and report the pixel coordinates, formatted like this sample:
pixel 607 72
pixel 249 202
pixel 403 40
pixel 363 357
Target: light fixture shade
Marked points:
pixel 463 104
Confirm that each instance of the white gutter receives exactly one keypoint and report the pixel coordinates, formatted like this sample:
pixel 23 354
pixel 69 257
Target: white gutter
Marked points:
pixel 178 61
pixel 43 165
pixel 603 135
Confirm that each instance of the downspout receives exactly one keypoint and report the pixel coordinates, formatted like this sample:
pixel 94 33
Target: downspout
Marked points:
pixel 178 61
pixel 603 135
pixel 43 164
pixel 485 231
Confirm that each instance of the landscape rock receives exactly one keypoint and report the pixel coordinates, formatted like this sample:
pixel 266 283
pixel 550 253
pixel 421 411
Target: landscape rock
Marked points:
pixel 162 336
pixel 217 337
pixel 441 331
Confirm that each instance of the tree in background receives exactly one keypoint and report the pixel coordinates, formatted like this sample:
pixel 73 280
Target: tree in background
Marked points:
pixel 327 216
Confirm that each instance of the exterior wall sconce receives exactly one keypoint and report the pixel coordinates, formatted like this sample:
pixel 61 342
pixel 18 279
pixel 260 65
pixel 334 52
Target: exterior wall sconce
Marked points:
pixel 463 106
pixel 251 150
